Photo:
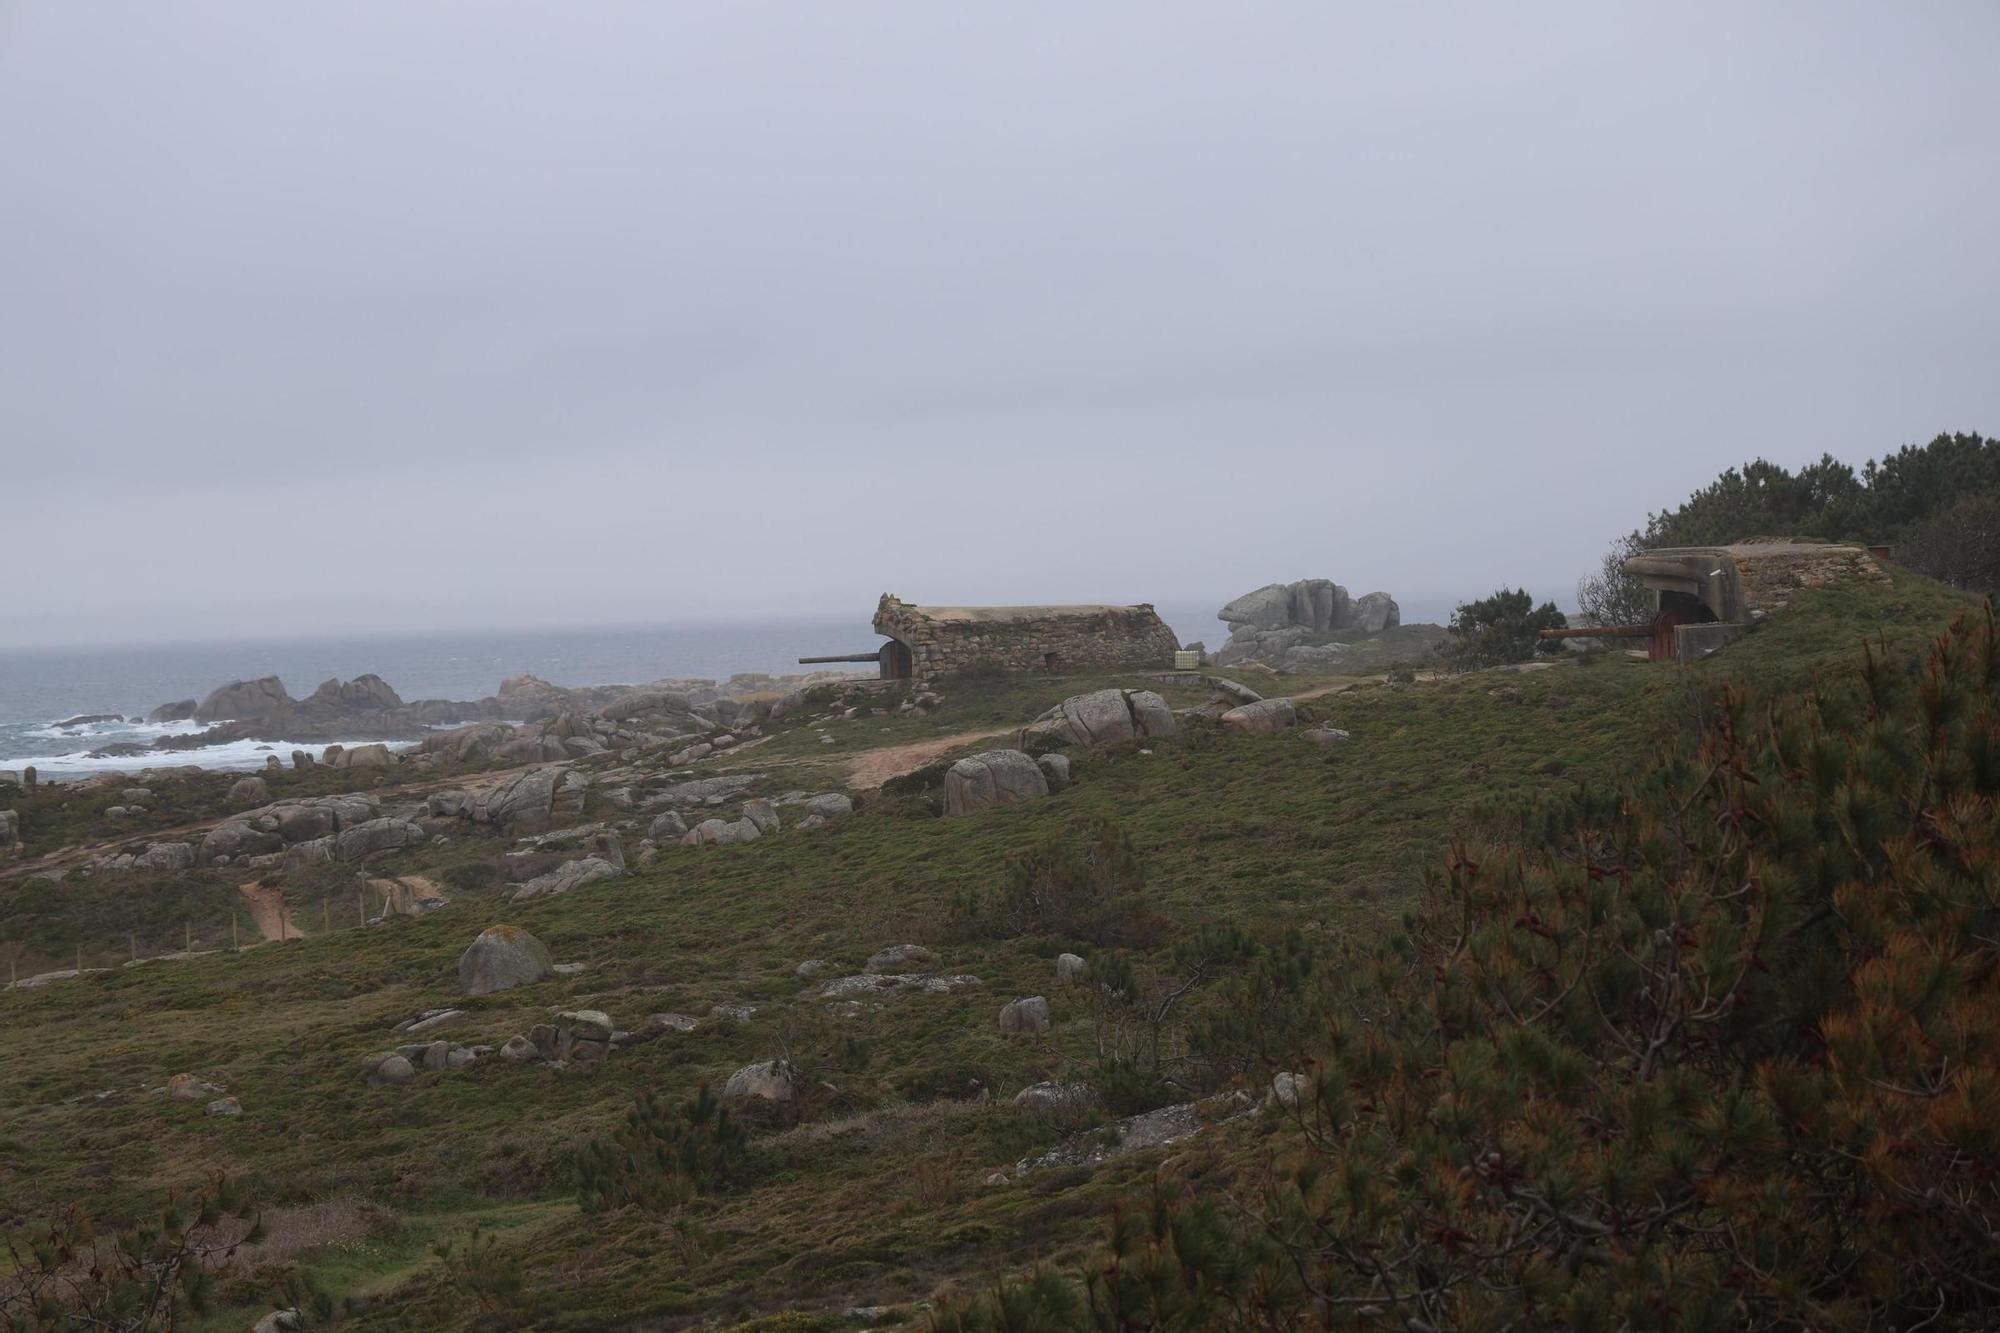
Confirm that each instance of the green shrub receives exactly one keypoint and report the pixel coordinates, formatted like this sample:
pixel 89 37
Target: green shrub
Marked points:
pixel 662 1156
pixel 1503 628
pixel 473 876
pixel 476 1268
pixel 1083 883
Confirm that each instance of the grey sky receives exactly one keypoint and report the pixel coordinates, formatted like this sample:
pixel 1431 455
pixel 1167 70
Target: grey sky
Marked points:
pixel 391 315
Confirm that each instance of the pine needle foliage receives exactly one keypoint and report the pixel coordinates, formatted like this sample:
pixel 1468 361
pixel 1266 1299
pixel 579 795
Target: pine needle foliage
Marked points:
pixel 1724 1055
pixel 153 1273
pixel 663 1155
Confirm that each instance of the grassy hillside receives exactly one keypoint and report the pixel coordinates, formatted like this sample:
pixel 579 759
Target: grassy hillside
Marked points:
pixel 876 1196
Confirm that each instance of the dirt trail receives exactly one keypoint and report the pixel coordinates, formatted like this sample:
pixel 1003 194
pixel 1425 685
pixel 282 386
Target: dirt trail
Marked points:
pixel 267 909
pixel 404 895
pixel 1337 687
pixel 871 769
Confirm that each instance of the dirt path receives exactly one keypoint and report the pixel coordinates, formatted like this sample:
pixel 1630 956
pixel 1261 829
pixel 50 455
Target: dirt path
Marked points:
pixel 404 895
pixel 1338 687
pixel 872 768
pixel 267 909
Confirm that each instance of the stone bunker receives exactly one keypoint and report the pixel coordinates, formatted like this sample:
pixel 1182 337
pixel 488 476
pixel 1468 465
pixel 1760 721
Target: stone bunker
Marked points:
pixel 929 641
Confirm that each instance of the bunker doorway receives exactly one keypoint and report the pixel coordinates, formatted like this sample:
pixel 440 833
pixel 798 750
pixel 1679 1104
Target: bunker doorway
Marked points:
pixel 896 661
pixel 1676 609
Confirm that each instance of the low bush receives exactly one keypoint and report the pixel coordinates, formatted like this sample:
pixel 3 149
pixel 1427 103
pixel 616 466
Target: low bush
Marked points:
pixel 1083 883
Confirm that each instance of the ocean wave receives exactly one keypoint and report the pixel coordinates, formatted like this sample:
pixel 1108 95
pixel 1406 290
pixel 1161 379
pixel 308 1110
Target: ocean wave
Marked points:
pixel 233 755
pixel 120 730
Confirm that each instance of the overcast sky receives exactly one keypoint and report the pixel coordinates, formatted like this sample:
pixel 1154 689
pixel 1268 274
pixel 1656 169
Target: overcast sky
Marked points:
pixel 317 317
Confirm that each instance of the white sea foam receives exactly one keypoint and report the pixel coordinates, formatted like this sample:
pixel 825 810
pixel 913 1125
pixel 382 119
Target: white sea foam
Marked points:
pixel 232 755
pixel 132 731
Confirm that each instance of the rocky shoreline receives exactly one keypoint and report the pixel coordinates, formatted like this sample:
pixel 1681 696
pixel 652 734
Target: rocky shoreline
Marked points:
pixel 525 707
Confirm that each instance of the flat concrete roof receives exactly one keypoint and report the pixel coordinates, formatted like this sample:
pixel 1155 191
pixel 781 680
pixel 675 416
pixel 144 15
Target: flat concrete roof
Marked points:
pixel 1744 549
pixel 1007 614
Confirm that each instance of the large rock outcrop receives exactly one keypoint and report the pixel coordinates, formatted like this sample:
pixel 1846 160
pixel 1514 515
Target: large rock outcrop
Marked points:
pixel 376 835
pixel 245 701
pixel 1290 625
pixel 522 803
pixel 996 777
pixel 502 958
pixel 1263 716
pixel 1104 716
pixel 311 822
pixel 367 693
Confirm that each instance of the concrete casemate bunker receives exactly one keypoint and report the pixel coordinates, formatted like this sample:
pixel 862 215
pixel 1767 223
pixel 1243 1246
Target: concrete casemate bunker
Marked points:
pixel 1704 596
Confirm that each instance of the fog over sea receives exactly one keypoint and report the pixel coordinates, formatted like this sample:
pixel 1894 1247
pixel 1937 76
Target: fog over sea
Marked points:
pixel 42 686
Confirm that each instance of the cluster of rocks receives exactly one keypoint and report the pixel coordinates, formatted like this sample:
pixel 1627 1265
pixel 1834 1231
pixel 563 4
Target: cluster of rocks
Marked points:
pixel 645 721
pixel 302 831
pixel 1291 626
pixel 1103 717
pixel 758 819
pixel 1273 715
pixel 312 830
pixel 402 1064
pixel 578 1037
pixel 1288 1092
pixel 1056 1100
pixel 603 858
pixel 895 970
pixel 1152 1129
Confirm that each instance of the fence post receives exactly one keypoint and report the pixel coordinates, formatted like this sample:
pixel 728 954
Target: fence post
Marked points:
pixel 187 938
pixel 132 943
pixel 325 916
pixel 233 945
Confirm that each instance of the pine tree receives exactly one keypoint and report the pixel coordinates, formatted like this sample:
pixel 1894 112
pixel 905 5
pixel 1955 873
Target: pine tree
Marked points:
pixel 662 1156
